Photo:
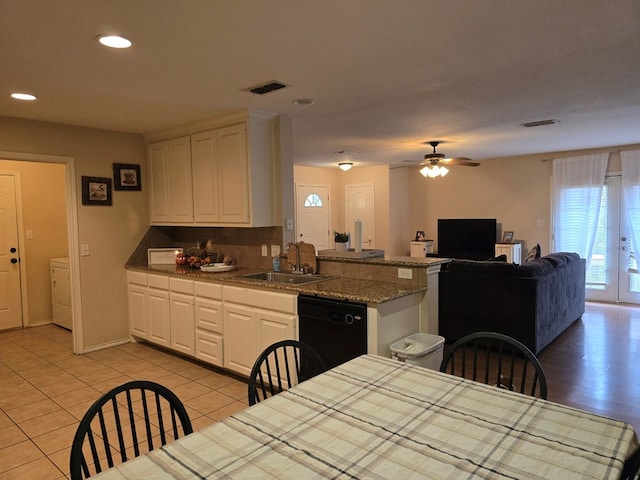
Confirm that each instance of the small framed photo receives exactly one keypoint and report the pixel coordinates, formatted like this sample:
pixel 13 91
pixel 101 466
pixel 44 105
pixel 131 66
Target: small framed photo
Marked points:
pixel 126 176
pixel 420 236
pixel 96 191
pixel 507 237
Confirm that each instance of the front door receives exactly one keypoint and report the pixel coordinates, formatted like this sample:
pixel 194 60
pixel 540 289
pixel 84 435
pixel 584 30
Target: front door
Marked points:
pixel 10 301
pixel 312 215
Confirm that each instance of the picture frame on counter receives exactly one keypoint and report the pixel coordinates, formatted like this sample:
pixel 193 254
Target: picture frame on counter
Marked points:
pixel 126 176
pixel 96 191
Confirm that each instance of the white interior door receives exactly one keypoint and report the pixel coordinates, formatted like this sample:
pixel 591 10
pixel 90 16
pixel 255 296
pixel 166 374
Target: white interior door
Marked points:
pixel 360 200
pixel 312 215
pixel 10 301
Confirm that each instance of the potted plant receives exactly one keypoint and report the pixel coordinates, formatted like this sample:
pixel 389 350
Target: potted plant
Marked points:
pixel 341 239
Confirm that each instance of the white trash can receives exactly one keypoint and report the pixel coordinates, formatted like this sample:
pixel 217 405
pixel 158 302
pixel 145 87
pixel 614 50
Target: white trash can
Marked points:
pixel 423 349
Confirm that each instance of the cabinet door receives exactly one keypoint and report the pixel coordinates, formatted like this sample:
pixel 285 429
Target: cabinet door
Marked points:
pixel 158 182
pixel 241 338
pixel 183 332
pixel 179 181
pixel 274 327
pixel 234 174
pixel 206 190
pixel 158 310
pixel 138 311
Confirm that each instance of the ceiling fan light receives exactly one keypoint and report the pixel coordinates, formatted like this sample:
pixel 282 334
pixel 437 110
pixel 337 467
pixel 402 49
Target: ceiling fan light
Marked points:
pixel 433 171
pixel 345 166
pixel 443 171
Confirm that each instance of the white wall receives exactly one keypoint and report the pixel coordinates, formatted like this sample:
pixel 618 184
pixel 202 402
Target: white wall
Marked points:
pixel 112 233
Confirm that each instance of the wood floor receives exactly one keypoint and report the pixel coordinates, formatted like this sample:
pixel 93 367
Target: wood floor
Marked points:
pixel 594 365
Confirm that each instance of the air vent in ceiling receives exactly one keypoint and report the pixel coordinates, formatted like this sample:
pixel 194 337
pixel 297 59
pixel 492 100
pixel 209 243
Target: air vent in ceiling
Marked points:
pixel 271 86
pixel 539 123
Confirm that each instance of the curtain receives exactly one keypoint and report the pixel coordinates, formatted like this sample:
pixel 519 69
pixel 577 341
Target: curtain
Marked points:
pixel 577 192
pixel 631 194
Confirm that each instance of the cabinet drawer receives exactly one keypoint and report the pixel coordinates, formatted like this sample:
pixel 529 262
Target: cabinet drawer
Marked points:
pixel 208 290
pixel 158 281
pixel 281 302
pixel 181 285
pixel 137 278
pixel 209 347
pixel 209 315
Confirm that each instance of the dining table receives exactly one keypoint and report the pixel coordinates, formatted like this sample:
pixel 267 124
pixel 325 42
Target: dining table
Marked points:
pixel 378 418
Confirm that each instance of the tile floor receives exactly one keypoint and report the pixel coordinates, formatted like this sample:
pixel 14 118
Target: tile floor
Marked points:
pixel 45 390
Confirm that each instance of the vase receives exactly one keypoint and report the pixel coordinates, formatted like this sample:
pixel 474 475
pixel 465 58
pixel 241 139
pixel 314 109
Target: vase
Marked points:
pixel 341 246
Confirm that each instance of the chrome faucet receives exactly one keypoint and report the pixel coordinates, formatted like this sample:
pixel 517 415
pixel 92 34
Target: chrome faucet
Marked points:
pixel 296 268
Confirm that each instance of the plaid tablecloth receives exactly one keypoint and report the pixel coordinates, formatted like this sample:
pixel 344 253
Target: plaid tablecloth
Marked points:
pixel 374 418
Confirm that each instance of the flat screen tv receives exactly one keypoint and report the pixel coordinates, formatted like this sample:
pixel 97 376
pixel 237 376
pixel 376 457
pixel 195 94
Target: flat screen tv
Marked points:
pixel 467 238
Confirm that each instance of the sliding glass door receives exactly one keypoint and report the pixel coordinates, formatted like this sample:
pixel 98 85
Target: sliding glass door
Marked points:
pixel 613 275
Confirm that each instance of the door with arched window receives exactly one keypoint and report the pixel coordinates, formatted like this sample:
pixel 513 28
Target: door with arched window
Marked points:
pixel 312 215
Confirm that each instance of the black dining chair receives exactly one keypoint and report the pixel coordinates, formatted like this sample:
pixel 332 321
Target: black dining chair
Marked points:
pixel 130 420
pixel 282 366
pixel 496 359
pixel 631 470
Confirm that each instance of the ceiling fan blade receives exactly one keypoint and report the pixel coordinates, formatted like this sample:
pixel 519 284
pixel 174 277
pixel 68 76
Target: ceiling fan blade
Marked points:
pixel 460 161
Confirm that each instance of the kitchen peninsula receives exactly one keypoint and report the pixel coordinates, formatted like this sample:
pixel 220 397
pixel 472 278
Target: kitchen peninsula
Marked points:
pixel 225 319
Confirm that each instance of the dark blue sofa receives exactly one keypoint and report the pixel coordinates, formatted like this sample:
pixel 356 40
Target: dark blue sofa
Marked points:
pixel 533 302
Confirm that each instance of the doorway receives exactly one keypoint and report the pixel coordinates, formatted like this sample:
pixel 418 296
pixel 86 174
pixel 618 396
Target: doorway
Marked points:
pixel 613 275
pixel 69 207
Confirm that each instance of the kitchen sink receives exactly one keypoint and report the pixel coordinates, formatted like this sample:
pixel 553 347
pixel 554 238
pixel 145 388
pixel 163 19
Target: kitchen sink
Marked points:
pixel 290 278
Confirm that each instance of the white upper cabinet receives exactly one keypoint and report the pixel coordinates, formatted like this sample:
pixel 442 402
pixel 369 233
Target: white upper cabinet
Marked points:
pixel 233 179
pixel 170 197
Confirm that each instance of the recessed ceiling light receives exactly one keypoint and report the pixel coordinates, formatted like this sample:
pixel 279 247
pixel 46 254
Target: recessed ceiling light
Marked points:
pixel 303 101
pixel 114 41
pixel 23 96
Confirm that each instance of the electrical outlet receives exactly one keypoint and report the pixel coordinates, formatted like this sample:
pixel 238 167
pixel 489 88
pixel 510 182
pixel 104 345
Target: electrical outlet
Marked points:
pixel 275 250
pixel 405 273
pixel 84 250
pixel 540 222
pixel 29 234
pixel 264 250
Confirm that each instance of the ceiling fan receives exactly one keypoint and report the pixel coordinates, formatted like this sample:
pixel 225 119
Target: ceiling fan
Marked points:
pixel 433 163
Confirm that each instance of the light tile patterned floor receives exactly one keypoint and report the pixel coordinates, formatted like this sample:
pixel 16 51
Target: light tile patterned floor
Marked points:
pixel 45 390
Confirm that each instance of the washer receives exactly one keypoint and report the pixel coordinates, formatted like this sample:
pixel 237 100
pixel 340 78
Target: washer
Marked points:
pixel 61 292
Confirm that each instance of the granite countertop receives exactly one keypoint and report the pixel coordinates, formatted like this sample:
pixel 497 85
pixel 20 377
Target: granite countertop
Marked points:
pixel 397 261
pixel 358 290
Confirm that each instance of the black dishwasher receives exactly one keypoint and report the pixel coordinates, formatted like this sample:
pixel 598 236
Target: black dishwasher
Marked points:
pixel 336 329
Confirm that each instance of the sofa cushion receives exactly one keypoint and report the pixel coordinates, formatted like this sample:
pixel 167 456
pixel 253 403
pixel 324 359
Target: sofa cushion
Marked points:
pixel 534 268
pixel 499 258
pixel 477 266
pixel 533 253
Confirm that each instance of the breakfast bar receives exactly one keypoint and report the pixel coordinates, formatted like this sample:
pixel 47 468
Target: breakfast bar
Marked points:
pixel 373 417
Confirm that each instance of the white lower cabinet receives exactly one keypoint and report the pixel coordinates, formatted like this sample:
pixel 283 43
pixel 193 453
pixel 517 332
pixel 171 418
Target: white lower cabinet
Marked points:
pixel 222 325
pixel 253 320
pixel 209 323
pixel 158 310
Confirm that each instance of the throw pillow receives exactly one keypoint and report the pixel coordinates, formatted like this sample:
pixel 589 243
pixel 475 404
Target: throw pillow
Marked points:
pixel 533 253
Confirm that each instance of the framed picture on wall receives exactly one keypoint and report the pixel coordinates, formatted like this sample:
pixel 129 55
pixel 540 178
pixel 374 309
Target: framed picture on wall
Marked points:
pixel 96 191
pixel 126 176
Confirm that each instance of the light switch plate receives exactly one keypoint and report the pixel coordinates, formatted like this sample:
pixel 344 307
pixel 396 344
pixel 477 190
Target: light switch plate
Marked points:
pixel 84 250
